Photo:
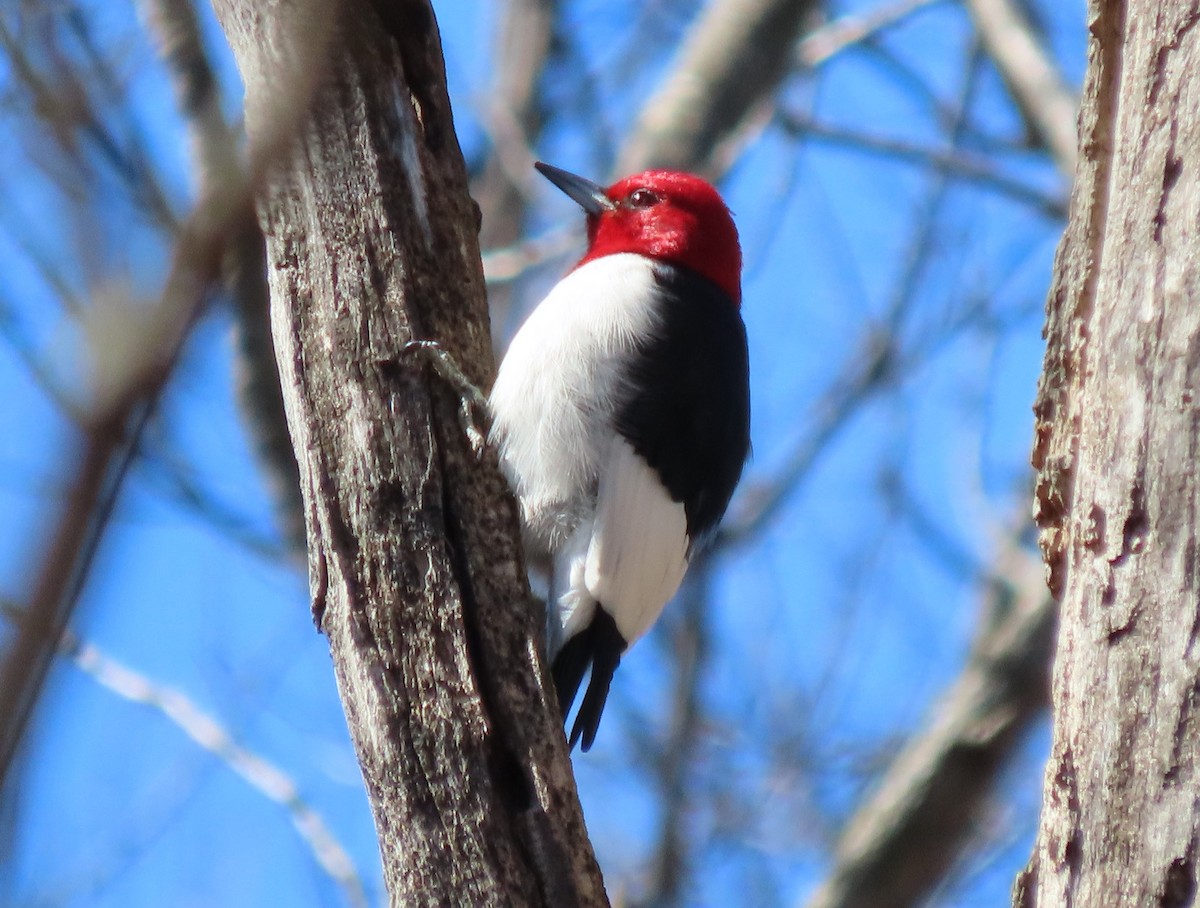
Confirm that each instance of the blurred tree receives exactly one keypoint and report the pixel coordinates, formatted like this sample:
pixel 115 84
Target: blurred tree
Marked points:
pixel 897 167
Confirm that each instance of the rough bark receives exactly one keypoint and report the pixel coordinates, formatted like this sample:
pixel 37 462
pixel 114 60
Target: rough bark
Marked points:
pixel 415 563
pixel 1118 491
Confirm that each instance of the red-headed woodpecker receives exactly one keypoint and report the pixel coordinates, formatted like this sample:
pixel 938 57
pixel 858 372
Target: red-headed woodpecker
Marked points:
pixel 622 415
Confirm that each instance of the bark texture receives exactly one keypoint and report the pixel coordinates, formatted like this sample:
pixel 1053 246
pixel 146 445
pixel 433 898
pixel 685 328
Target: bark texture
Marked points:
pixel 1118 489
pixel 415 564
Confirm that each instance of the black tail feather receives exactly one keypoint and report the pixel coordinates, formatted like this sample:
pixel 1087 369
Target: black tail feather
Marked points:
pixel 570 665
pixel 600 645
pixel 587 720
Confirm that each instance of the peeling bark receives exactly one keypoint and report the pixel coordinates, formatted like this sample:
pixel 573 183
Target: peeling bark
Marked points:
pixel 415 564
pixel 1118 433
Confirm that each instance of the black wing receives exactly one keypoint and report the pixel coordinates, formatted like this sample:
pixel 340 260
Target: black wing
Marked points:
pixel 689 415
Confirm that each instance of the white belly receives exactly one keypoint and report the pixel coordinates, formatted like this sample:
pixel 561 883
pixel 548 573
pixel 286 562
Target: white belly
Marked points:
pixel 559 386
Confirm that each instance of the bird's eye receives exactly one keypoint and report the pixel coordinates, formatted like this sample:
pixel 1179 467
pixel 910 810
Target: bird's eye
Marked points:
pixel 643 198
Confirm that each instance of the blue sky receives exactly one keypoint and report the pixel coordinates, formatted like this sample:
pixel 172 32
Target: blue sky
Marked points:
pixel 835 626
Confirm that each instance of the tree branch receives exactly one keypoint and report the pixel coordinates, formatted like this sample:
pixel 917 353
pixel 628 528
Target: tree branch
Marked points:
pixel 514 116
pixel 215 159
pixel 905 837
pixel 1049 107
pixel 732 61
pixel 834 37
pixel 958 164
pixel 262 775
pixel 127 395
pixel 114 431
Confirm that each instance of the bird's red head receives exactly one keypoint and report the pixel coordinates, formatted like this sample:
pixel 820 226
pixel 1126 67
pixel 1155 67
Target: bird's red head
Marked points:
pixel 664 214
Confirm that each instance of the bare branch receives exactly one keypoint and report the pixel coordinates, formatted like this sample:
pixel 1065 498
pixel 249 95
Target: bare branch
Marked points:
pixel 208 732
pixel 215 155
pixel 868 371
pixel 508 263
pixel 213 142
pixel 1049 107
pixel 514 118
pixel 690 650
pixel 907 835
pixel 829 40
pixel 102 469
pixel 959 164
pixel 734 59
pixel 67 110
pixel 114 429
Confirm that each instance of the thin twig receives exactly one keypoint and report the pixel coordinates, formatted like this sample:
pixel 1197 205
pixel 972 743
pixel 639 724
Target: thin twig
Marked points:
pixel 869 370
pixel 48 104
pixel 263 775
pixel 965 167
pixel 826 42
pixel 103 465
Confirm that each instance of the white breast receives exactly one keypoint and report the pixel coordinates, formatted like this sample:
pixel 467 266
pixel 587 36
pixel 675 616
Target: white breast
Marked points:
pixel 560 385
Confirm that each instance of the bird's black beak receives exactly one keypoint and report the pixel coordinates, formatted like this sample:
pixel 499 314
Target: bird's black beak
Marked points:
pixel 587 194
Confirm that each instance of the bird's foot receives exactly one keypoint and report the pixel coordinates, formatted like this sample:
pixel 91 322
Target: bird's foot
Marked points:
pixel 473 413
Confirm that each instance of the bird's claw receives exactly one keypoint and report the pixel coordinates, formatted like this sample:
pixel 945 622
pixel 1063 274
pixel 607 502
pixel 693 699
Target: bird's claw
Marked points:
pixel 473 413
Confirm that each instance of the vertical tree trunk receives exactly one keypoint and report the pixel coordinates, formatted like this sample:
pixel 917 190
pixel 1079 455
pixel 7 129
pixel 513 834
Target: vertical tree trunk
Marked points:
pixel 414 560
pixel 1118 441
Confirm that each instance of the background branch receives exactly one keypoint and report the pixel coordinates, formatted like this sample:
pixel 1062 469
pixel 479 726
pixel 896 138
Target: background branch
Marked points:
pixel 905 836
pixel 126 396
pixel 1048 106
pixel 734 58
pixel 514 115
pixel 215 159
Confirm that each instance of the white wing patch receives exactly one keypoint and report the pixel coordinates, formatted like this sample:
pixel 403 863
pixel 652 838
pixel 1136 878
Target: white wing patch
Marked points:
pixel 638 550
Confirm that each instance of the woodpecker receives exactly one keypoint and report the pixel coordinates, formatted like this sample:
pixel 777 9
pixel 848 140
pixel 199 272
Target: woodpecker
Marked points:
pixel 621 413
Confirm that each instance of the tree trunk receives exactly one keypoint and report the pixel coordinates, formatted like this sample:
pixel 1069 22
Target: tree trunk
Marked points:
pixel 415 564
pixel 1118 439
